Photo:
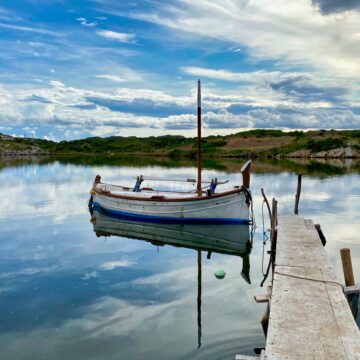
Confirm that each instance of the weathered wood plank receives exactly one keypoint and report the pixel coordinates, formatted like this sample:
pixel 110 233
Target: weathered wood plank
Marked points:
pixel 309 315
pixel 261 298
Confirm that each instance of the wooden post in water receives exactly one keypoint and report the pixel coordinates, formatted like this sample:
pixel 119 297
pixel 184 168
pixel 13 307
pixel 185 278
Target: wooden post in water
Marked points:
pixel 347 267
pixel 297 196
pixel 199 189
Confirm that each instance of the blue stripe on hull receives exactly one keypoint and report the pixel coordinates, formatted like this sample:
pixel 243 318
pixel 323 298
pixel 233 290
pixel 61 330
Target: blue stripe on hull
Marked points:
pixel 168 220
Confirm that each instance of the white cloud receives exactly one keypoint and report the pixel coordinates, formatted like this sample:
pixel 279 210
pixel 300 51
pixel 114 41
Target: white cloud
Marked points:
pixel 270 29
pixel 227 75
pixel 117 36
pixel 114 78
pixel 75 112
pixel 56 83
pixel 29 29
pixel 90 275
pixel 85 22
pixel 9 16
pixel 111 265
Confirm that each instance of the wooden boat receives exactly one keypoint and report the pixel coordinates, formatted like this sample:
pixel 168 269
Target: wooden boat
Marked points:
pixel 230 206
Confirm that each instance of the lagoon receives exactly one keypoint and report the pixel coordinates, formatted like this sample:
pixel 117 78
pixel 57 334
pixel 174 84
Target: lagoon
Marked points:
pixel 66 293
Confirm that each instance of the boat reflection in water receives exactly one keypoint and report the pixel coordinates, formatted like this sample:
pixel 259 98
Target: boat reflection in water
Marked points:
pixel 225 239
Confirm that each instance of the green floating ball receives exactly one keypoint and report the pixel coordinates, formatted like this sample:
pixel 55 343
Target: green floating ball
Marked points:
pixel 219 274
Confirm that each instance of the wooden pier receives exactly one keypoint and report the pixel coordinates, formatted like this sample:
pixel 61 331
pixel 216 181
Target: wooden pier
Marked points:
pixel 310 317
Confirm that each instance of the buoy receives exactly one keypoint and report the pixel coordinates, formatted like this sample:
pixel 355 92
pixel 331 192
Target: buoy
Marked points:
pixel 219 274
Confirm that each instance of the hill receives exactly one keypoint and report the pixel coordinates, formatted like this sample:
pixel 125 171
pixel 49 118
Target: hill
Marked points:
pixel 251 143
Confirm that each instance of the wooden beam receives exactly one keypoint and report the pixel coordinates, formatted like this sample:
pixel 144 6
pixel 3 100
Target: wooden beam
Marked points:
pixel 261 299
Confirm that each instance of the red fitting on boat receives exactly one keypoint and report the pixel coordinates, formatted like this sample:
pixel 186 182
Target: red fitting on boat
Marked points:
pixel 245 170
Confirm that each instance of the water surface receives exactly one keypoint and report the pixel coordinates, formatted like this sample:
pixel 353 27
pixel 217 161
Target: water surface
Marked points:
pixel 66 293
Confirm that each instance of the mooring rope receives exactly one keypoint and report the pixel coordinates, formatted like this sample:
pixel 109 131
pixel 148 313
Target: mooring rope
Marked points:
pixel 253 220
pixel 310 279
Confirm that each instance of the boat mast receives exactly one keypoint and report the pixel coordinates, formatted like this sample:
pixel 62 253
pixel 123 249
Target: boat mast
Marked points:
pixel 199 190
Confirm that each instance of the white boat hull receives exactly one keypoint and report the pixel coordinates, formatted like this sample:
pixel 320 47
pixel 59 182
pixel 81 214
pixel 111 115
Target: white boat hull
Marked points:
pixel 226 209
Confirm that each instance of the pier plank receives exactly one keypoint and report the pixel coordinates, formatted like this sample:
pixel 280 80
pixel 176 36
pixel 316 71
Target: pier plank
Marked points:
pixel 309 315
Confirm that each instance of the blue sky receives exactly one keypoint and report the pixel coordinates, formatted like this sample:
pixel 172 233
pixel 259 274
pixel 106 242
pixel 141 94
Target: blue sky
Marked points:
pixel 72 69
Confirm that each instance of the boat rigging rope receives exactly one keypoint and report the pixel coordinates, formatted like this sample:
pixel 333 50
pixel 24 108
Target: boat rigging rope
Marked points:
pixel 253 221
pixel 265 238
pixel 249 201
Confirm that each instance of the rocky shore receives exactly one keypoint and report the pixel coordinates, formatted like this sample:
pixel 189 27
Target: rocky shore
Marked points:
pixel 341 153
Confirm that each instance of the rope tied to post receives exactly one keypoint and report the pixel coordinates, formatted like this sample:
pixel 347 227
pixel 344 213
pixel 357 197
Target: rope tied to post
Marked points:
pixel 310 279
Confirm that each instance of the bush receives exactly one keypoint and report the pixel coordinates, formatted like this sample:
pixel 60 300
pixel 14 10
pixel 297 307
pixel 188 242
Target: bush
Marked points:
pixel 259 133
pixel 324 145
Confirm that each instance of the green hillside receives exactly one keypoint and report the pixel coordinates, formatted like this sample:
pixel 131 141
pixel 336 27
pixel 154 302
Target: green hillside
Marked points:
pixel 253 143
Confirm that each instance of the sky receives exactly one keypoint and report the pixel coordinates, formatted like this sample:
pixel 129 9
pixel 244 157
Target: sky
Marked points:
pixel 73 68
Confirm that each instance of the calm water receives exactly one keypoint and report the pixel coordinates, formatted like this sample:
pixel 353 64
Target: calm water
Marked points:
pixel 66 293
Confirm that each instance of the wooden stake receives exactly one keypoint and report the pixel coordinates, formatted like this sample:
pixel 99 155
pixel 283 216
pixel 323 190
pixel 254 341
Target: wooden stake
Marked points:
pixel 347 267
pixel 273 215
pixel 297 196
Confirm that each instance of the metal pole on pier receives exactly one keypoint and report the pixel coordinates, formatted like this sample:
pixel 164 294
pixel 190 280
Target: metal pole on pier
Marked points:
pixel 199 190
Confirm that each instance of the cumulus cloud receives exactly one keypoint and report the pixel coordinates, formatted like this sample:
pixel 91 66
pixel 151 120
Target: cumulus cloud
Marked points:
pixel 290 101
pixel 38 98
pixel 139 106
pixel 117 36
pixel 302 87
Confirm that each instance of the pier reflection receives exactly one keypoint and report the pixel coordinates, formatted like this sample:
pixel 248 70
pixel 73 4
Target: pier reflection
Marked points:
pixel 224 239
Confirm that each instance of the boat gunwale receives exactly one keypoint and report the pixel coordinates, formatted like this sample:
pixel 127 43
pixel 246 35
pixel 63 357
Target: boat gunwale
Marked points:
pixel 164 199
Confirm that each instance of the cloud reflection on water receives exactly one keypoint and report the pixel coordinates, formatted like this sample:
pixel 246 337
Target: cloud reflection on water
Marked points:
pixel 91 299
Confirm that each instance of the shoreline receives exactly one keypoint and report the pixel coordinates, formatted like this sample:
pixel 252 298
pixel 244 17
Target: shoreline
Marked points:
pixel 14 154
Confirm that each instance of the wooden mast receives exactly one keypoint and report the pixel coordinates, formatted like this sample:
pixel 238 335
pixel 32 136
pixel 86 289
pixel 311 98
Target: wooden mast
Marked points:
pixel 199 190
